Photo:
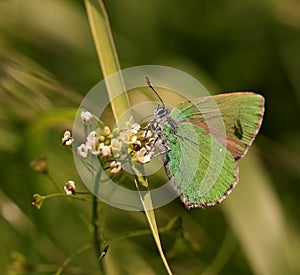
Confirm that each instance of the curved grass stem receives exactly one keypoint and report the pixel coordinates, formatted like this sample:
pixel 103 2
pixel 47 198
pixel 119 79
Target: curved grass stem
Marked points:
pixel 66 262
pixel 148 209
pixel 107 55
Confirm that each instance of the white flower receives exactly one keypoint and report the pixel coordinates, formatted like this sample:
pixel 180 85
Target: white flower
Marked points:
pixel 96 149
pixel 86 117
pixel 116 146
pixel 82 151
pixel 92 140
pixel 105 151
pixel 67 134
pixel 67 140
pixel 70 188
pixel 128 137
pixel 133 127
pixel 115 167
pixel 143 156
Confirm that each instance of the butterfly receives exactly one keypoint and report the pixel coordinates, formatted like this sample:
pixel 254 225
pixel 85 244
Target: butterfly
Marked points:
pixel 201 140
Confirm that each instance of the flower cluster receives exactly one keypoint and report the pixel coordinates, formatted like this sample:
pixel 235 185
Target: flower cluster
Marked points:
pixel 98 143
pixel 118 145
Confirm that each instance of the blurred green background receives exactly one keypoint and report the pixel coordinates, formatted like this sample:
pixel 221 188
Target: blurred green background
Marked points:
pixel 48 63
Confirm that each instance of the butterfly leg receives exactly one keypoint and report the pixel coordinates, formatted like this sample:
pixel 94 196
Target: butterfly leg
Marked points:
pixel 158 147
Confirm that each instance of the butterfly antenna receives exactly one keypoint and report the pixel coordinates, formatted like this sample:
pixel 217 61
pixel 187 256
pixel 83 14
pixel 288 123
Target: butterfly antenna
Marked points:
pixel 152 88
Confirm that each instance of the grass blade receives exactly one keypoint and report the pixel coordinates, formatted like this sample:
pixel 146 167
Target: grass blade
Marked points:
pixel 148 208
pixel 107 54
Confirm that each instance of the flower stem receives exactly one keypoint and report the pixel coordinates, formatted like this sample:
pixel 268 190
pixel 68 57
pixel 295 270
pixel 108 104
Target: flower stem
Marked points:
pixel 98 243
pixel 53 181
pixel 55 195
pixel 70 258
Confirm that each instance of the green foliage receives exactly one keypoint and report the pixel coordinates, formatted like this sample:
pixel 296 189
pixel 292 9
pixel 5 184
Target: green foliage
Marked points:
pixel 48 62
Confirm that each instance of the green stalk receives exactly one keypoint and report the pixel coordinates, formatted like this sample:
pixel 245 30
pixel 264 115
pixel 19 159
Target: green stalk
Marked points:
pixel 98 242
pixel 66 262
pixel 55 195
pixel 97 239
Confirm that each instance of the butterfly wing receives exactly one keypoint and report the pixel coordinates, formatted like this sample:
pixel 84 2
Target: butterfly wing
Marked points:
pixel 200 167
pixel 241 113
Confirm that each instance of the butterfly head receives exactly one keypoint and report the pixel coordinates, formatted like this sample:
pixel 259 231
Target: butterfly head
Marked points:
pixel 160 112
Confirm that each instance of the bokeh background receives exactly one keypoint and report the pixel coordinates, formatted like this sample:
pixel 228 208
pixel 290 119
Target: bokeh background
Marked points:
pixel 48 63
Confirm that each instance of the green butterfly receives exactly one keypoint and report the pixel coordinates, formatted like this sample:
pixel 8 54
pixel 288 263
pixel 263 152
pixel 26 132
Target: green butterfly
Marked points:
pixel 203 138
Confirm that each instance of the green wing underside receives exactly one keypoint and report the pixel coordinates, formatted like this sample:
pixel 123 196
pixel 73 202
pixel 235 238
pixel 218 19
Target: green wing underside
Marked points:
pixel 199 165
pixel 241 113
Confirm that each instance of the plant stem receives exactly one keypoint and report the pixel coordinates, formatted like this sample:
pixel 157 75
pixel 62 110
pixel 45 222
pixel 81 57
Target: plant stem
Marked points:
pixel 133 234
pixel 53 181
pixel 96 224
pixel 55 195
pixel 70 258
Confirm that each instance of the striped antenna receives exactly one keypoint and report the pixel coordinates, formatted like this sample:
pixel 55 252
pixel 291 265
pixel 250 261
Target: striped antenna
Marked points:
pixel 152 88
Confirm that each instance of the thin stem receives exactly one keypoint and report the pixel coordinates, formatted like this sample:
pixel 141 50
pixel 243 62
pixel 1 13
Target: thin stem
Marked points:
pixel 226 250
pixel 53 181
pixel 55 195
pixel 138 233
pixel 71 257
pixel 82 217
pixel 132 234
pixel 96 224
